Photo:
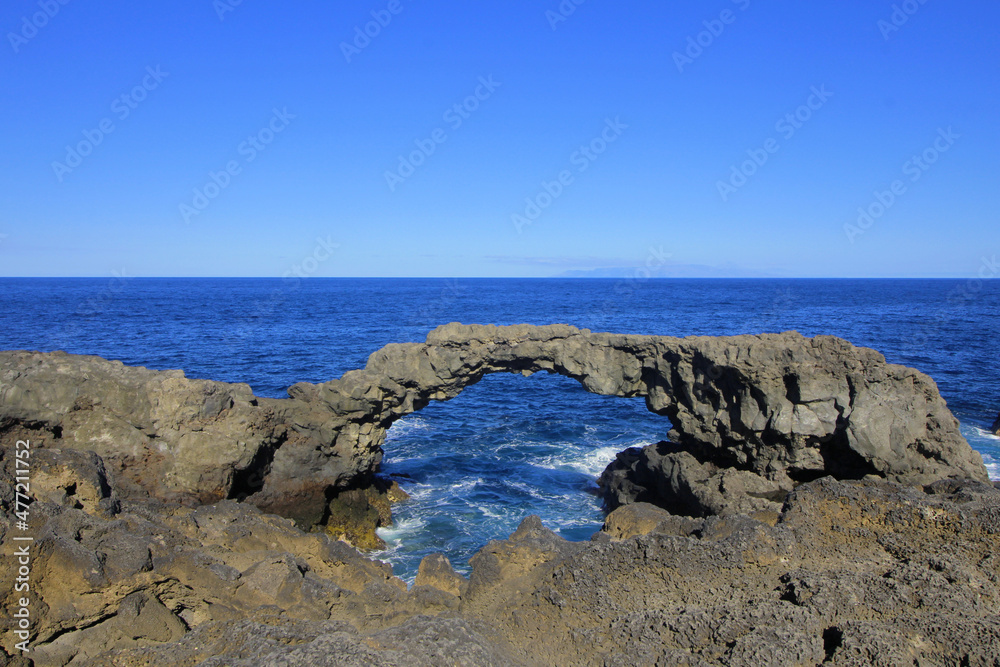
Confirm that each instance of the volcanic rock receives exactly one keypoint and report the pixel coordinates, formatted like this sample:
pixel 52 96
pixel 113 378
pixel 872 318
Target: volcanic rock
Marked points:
pixel 851 572
pixel 812 503
pixel 752 416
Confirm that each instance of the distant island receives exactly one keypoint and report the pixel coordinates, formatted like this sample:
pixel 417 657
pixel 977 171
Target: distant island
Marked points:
pixel 667 271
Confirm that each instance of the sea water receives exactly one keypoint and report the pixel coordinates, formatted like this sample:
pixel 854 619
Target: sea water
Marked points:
pixel 508 446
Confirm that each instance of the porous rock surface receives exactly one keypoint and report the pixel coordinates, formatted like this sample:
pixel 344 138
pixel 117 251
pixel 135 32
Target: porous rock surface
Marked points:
pixel 848 573
pixel 773 410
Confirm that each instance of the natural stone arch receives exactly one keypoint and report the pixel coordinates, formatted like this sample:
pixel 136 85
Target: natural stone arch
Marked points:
pixel 752 416
pixel 761 413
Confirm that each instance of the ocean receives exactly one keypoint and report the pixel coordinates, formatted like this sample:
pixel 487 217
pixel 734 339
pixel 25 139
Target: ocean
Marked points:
pixel 508 446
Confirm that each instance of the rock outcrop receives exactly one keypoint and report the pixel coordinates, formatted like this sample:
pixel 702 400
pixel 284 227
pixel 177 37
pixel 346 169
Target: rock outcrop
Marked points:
pixel 996 425
pixel 109 574
pixel 766 412
pixel 848 573
pixel 160 433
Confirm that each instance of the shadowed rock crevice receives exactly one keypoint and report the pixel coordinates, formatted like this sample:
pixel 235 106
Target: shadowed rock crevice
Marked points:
pixel 250 480
pixel 833 638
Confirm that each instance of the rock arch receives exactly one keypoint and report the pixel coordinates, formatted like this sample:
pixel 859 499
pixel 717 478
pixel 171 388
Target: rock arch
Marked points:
pixel 752 416
pixel 759 413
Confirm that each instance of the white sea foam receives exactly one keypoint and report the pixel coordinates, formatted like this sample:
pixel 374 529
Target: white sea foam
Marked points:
pixel 395 459
pixel 987 444
pixel 986 435
pixel 394 535
pixel 405 426
pixel 530 490
pixel 465 485
pixel 459 489
pixel 417 492
pixel 590 463
pixel 487 511
pixel 576 521
pixel 992 467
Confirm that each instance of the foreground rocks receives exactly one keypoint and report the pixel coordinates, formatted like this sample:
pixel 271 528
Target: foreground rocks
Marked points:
pixel 848 573
pixel 851 573
pixel 776 410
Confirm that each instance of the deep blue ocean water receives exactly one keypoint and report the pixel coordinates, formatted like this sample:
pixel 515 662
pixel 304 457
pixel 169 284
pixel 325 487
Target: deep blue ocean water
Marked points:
pixel 509 446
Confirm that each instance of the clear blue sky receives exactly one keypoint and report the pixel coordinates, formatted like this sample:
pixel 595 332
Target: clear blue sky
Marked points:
pixel 673 127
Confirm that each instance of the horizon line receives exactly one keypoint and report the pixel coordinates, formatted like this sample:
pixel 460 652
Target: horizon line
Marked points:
pixel 556 277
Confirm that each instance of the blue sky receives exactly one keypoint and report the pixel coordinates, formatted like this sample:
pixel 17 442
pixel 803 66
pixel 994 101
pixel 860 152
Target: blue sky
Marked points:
pixel 201 138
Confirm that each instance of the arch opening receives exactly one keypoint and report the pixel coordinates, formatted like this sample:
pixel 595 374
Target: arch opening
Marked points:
pixel 503 449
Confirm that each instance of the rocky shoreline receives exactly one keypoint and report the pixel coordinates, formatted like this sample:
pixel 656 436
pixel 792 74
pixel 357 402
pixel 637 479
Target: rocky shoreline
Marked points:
pixel 811 504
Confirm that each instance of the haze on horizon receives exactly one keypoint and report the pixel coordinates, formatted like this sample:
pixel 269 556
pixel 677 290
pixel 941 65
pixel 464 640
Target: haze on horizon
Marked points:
pixel 495 139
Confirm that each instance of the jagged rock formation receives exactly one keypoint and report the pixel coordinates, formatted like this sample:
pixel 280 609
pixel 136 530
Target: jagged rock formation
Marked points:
pixel 765 412
pixel 110 574
pixel 161 434
pixel 996 425
pixel 848 573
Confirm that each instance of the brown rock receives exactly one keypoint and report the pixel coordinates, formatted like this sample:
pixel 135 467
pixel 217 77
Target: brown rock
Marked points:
pixel 354 515
pixel 850 571
pixel 643 518
pixel 436 571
